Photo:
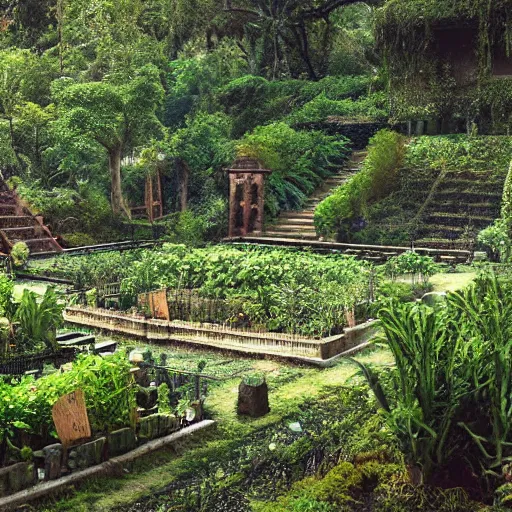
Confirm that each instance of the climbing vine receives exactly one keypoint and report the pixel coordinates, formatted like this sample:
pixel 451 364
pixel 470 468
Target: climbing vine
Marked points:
pixel 423 83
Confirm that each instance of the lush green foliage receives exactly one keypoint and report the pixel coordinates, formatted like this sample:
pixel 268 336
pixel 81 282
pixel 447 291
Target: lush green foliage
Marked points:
pixel 419 267
pixel 38 319
pixel 299 161
pixel 87 90
pixel 281 290
pixel 451 360
pixel 376 180
pixel 19 254
pixel 370 108
pixel 32 322
pixel 252 100
pixel 497 237
pixel 468 169
pixel 459 153
pixel 108 388
pixel 427 86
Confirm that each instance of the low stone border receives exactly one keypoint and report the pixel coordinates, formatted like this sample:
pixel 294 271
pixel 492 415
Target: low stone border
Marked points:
pixel 114 466
pixel 219 337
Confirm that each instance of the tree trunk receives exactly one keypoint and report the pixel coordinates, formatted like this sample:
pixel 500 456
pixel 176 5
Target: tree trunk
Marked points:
pixel 184 174
pixel 114 163
pixel 13 144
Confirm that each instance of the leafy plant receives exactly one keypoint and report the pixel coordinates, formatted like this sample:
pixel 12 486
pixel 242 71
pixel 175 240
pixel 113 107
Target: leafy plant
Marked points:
pixel 429 383
pixel 38 321
pixel 19 254
pixel 486 320
pixel 300 160
pixel 419 267
pixel 375 181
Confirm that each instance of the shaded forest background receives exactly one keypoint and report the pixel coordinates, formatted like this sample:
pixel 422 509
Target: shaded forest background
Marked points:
pixel 96 94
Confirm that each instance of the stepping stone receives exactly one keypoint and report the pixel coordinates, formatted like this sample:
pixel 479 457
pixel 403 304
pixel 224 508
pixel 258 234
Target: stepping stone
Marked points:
pixel 79 341
pixel 105 347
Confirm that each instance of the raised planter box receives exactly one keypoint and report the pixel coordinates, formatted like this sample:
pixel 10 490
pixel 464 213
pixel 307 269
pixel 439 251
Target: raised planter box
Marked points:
pixel 220 337
pixel 89 453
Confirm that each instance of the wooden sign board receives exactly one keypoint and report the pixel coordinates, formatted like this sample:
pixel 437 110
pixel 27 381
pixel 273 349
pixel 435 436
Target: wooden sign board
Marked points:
pixel 157 302
pixel 70 418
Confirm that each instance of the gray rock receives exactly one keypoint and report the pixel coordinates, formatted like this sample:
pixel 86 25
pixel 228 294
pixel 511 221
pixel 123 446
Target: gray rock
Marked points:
pixel 52 461
pixel 88 454
pixel 17 477
pixel 480 256
pixel 121 441
pixel 156 425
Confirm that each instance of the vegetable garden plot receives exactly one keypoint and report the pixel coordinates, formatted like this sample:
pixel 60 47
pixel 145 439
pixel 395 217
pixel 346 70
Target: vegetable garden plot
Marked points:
pixel 275 290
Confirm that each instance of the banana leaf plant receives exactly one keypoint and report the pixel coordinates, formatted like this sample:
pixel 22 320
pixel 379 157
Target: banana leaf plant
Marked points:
pixel 37 320
pixel 427 383
pixel 485 317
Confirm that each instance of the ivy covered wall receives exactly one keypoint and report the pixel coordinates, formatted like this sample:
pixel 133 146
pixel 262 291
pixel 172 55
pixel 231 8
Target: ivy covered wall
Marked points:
pixel 448 61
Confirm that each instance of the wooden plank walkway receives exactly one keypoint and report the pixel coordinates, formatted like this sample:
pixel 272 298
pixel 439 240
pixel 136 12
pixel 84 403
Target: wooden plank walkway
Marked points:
pixel 370 252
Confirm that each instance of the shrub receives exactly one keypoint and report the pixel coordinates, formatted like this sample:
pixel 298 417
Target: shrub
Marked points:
pixel 376 180
pixel 495 238
pixel 38 320
pixel 84 209
pixel 78 239
pixel 459 152
pixel 19 254
pixel 368 108
pixel 108 388
pixel 281 289
pixel 419 267
pixel 190 229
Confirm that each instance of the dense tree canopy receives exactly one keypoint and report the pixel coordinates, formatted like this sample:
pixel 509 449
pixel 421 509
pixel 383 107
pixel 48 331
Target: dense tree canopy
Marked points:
pixel 87 85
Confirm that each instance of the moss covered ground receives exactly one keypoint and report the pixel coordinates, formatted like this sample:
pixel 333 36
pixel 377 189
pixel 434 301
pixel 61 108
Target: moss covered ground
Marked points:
pixel 290 387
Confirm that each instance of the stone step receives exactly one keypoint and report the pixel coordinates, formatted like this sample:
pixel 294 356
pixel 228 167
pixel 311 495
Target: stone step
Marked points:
pixel 299 228
pixel 79 340
pixel 41 245
pixel 303 214
pixel 295 221
pixel 467 195
pixel 464 217
pixel 304 235
pixel 485 208
pixel 12 221
pixel 21 233
pixel 441 243
pixel 7 209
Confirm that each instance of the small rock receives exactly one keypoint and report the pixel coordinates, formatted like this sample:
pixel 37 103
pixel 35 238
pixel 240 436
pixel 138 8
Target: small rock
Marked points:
pixel 52 461
pixel 121 441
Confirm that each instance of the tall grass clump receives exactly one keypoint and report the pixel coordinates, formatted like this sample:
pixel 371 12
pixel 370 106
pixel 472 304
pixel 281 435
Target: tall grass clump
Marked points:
pixel 449 400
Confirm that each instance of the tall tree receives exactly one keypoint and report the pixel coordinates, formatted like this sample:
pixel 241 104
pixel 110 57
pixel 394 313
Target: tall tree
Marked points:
pixel 116 117
pixel 286 26
pixel 24 77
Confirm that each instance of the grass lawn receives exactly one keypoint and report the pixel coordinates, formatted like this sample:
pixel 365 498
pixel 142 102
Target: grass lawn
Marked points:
pixel 451 282
pixel 289 387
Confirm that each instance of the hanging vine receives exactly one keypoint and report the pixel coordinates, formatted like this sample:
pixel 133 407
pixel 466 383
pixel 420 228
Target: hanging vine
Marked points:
pixel 422 84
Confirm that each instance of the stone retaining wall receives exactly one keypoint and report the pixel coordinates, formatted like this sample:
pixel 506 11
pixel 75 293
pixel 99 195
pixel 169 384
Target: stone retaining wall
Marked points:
pixel 219 337
pixel 55 461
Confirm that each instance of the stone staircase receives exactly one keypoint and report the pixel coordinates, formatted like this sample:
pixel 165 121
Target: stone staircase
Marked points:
pixel 17 224
pixel 462 205
pixel 300 225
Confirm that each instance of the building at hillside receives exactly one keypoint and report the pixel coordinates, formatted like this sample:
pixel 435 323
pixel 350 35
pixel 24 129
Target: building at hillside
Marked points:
pixel 449 63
